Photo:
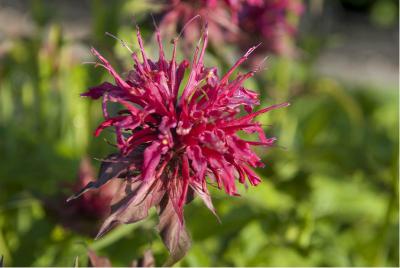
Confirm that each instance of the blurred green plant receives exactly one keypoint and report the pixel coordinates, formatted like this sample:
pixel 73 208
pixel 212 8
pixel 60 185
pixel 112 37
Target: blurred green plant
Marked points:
pixel 385 13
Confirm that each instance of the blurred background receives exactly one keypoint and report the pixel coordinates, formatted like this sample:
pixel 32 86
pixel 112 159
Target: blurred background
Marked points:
pixel 329 195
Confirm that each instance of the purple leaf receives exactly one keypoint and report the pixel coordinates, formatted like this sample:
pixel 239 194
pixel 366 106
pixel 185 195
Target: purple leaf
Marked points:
pixel 113 166
pixel 135 205
pixel 202 191
pixel 173 233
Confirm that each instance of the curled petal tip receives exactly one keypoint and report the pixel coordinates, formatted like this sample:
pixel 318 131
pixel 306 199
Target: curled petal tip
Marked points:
pixel 94 51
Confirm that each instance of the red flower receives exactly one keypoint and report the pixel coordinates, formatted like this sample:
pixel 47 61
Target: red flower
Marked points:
pixel 269 23
pixel 221 16
pixel 173 135
pixel 245 22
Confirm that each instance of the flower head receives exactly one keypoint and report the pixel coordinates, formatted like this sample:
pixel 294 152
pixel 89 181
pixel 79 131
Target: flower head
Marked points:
pixel 244 22
pixel 269 23
pixel 221 16
pixel 175 137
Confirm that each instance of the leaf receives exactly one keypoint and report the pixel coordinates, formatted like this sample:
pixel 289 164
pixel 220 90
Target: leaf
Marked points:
pixel 113 166
pixel 76 262
pixel 173 232
pixel 203 193
pixel 97 261
pixel 135 206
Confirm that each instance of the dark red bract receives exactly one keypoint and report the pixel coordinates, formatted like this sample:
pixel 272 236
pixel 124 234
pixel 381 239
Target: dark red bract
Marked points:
pixel 175 137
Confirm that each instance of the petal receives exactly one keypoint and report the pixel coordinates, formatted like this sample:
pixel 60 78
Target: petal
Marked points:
pixel 109 122
pixel 199 163
pixel 152 156
pixel 251 175
pixel 225 78
pixel 98 91
pixel 249 117
pixel 120 82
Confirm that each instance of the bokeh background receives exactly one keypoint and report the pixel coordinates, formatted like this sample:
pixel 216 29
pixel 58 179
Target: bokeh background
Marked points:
pixel 329 195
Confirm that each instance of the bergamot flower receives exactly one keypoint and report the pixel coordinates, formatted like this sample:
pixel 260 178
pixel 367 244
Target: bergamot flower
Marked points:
pixel 175 136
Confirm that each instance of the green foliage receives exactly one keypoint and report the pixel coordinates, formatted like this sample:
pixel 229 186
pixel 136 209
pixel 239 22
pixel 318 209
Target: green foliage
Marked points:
pixel 329 195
